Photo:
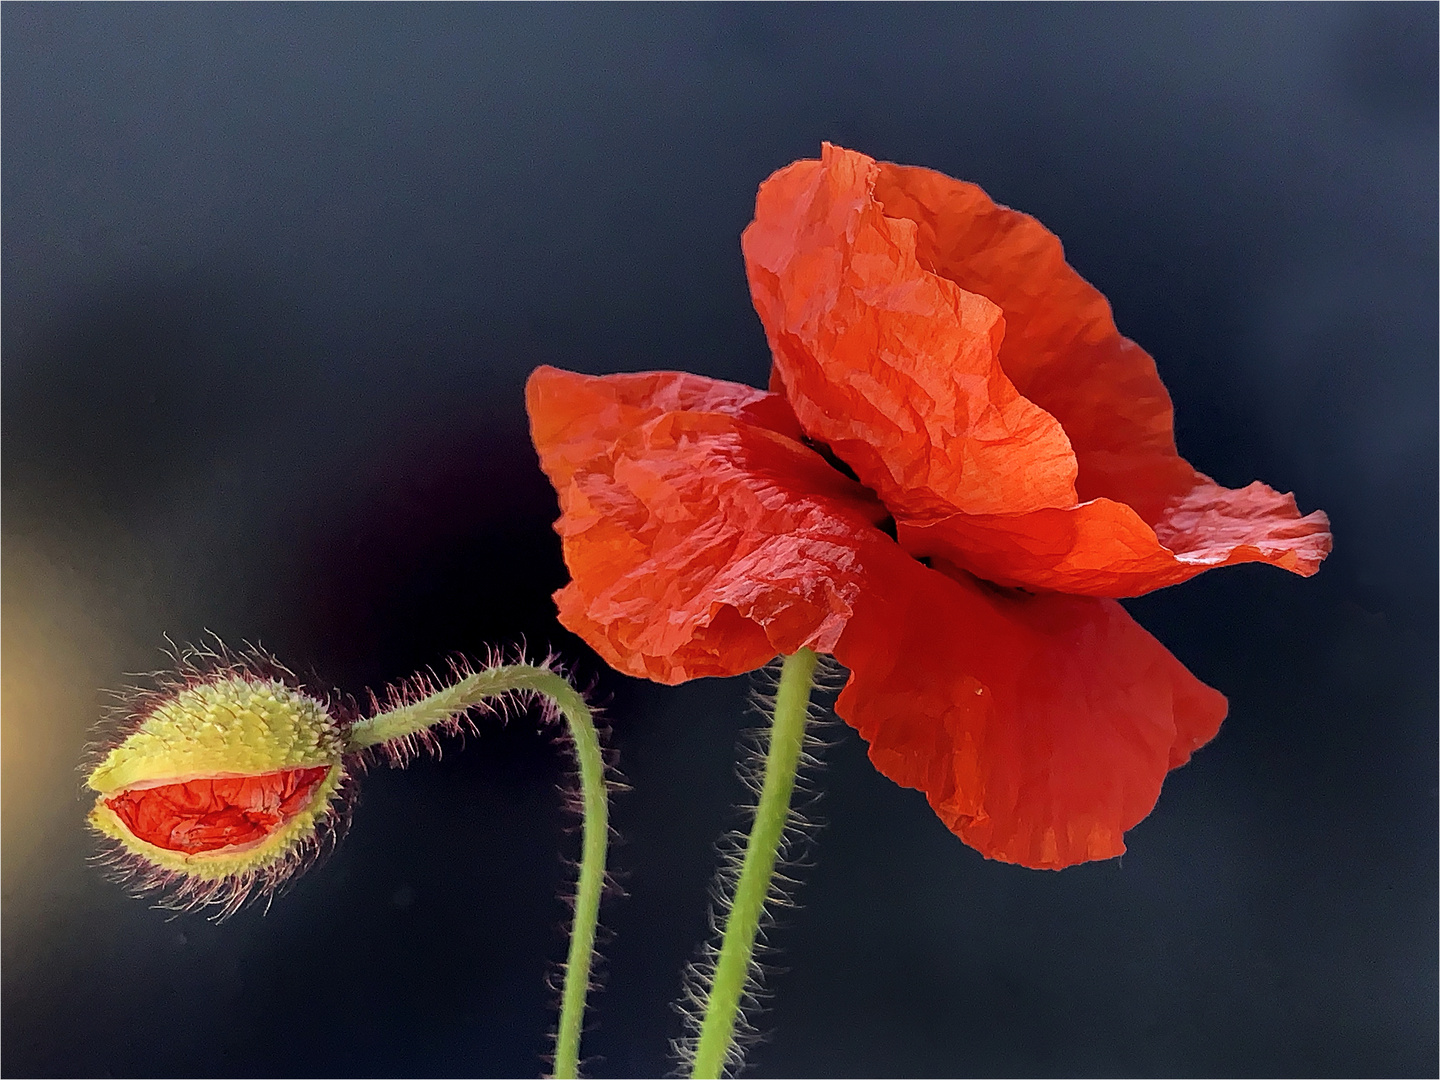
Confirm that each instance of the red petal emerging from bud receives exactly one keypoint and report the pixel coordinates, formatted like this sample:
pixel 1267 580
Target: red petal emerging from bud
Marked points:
pixel 210 813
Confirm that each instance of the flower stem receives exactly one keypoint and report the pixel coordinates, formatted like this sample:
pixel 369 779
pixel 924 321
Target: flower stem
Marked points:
pixel 472 690
pixel 732 967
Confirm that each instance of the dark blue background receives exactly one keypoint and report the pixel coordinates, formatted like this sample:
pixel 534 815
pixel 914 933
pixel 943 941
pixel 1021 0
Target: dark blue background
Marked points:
pixel 273 279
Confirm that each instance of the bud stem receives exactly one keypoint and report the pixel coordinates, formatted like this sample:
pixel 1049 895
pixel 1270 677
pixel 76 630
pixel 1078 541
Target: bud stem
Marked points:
pixel 474 689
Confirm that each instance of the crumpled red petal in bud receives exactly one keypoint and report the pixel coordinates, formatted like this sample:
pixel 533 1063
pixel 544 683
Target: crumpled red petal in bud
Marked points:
pixel 208 813
pixel 937 347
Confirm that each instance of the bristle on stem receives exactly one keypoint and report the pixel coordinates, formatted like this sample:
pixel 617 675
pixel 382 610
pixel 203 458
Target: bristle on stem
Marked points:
pixel 729 980
pixel 411 719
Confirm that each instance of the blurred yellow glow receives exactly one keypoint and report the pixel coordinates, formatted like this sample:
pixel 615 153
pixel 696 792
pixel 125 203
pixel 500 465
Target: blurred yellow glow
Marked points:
pixel 54 660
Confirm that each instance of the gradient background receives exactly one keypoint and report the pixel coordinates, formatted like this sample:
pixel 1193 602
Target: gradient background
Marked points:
pixel 273 280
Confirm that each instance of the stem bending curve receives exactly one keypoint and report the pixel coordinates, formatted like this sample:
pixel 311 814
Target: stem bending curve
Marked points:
pixel 474 689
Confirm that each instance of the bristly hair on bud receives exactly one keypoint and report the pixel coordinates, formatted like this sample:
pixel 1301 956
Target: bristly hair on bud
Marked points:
pixel 220 780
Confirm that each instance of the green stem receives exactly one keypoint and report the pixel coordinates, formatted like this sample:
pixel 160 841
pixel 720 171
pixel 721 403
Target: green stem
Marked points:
pixel 732 967
pixel 472 690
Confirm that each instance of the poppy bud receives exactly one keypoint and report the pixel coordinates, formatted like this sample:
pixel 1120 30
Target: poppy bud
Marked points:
pixel 228 781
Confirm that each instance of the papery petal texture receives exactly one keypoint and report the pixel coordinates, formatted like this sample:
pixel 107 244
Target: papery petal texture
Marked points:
pixel 575 419
pixel 1063 352
pixel 701 538
pixel 835 301
pixel 893 367
pixel 1061 348
pixel 1103 548
pixel 1040 728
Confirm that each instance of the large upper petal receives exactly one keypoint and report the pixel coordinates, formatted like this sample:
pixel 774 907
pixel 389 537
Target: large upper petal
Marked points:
pixel 1061 347
pixel 1148 520
pixel 1040 728
pixel 895 368
pixel 702 538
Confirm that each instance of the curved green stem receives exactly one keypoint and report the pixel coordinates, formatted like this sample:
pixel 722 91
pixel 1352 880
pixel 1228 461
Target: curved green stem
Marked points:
pixel 732 967
pixel 473 689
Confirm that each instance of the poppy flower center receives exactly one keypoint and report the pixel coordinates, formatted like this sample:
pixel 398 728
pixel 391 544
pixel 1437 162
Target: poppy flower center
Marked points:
pixel 213 812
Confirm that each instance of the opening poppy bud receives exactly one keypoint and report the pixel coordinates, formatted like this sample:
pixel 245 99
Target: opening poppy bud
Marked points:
pixel 226 782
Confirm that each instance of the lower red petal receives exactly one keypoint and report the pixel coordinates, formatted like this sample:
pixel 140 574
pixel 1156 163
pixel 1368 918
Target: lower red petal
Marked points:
pixel 209 813
pixel 1040 728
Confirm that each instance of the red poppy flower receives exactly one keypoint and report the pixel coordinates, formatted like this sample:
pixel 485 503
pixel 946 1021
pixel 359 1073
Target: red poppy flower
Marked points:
pixel 959 464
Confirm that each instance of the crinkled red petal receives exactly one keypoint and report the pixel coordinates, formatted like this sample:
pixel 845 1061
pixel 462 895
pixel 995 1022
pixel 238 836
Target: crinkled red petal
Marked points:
pixel 855 267
pixel 210 813
pixel 1061 347
pixel 1040 728
pixel 1064 353
pixel 893 367
pixel 1102 548
pixel 701 538
pixel 575 419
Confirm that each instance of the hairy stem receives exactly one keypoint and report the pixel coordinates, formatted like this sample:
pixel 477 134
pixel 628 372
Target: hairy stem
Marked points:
pixel 732 967
pixel 472 690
